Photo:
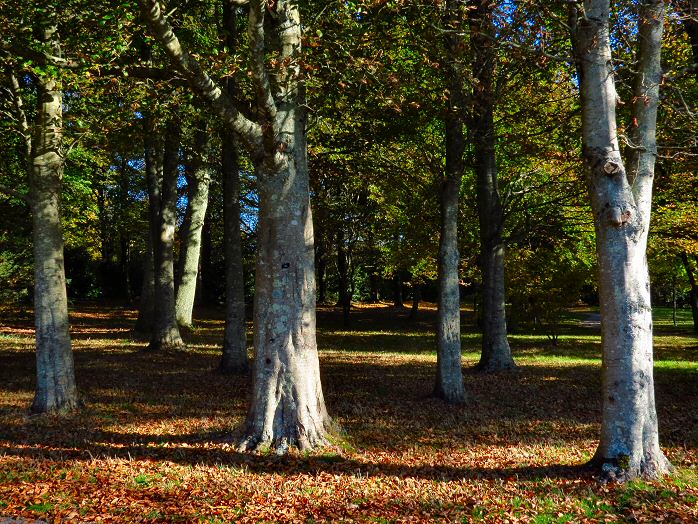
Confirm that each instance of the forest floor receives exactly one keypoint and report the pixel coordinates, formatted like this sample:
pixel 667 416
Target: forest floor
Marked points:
pixel 154 441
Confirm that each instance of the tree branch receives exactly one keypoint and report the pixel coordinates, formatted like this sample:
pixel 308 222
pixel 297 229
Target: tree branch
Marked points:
pixel 250 133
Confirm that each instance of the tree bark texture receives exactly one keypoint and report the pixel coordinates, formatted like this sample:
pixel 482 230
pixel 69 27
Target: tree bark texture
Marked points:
pixel 496 353
pixel 287 406
pixel 56 390
pixel 449 375
pixel 198 180
pixel 165 334
pixel 234 359
pixel 621 203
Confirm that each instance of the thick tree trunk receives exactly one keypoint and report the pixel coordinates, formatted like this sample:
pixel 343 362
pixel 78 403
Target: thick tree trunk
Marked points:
pixel 198 180
pixel 287 408
pixel 496 353
pixel 55 376
pixel 234 359
pixel 165 335
pixel 629 444
pixel 343 273
pixel 694 289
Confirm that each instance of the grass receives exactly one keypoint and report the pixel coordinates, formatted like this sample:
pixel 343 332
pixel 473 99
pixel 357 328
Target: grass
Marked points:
pixel 154 442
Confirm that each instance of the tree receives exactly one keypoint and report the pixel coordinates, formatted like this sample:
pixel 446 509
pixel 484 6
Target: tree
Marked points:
pixel 449 376
pixel 621 202
pixel 56 389
pixel 496 353
pixel 198 174
pixel 287 406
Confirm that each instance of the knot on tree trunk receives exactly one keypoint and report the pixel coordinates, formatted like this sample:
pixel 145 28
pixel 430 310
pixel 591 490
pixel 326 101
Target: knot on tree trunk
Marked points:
pixel 612 168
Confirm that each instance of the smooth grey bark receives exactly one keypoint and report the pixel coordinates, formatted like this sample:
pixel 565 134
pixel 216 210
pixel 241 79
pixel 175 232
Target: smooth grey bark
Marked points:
pixel 449 375
pixel 621 203
pixel 287 407
pixel 198 179
pixel 694 289
pixel 496 353
pixel 234 359
pixel 165 334
pixel 56 390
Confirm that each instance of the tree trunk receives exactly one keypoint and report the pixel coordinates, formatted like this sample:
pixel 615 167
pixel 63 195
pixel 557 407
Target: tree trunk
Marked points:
pixel 234 359
pixel 152 153
pixel 146 309
pixel 321 276
pixel 449 375
pixel 55 376
pixel 343 273
pixel 496 353
pixel 694 289
pixel 287 408
pixel 198 180
pixel 397 289
pixel 629 445
pixel 416 299
pixel 165 335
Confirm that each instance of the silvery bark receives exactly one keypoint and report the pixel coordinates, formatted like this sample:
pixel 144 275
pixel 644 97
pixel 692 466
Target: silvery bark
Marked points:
pixel 198 180
pixel 287 407
pixel 496 353
pixel 55 385
pixel 449 375
pixel 621 203
pixel 165 334
pixel 234 359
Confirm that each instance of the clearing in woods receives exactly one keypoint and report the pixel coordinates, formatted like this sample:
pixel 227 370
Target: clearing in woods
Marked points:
pixel 155 441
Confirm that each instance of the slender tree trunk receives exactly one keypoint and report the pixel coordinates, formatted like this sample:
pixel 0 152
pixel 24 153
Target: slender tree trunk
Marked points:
pixel 321 277
pixel 449 375
pixel 198 180
pixel 234 359
pixel 694 289
pixel 55 385
pixel 416 299
pixel 496 353
pixel 146 309
pixel 397 289
pixel 152 152
pixel 343 273
pixel 165 334
pixel 629 444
